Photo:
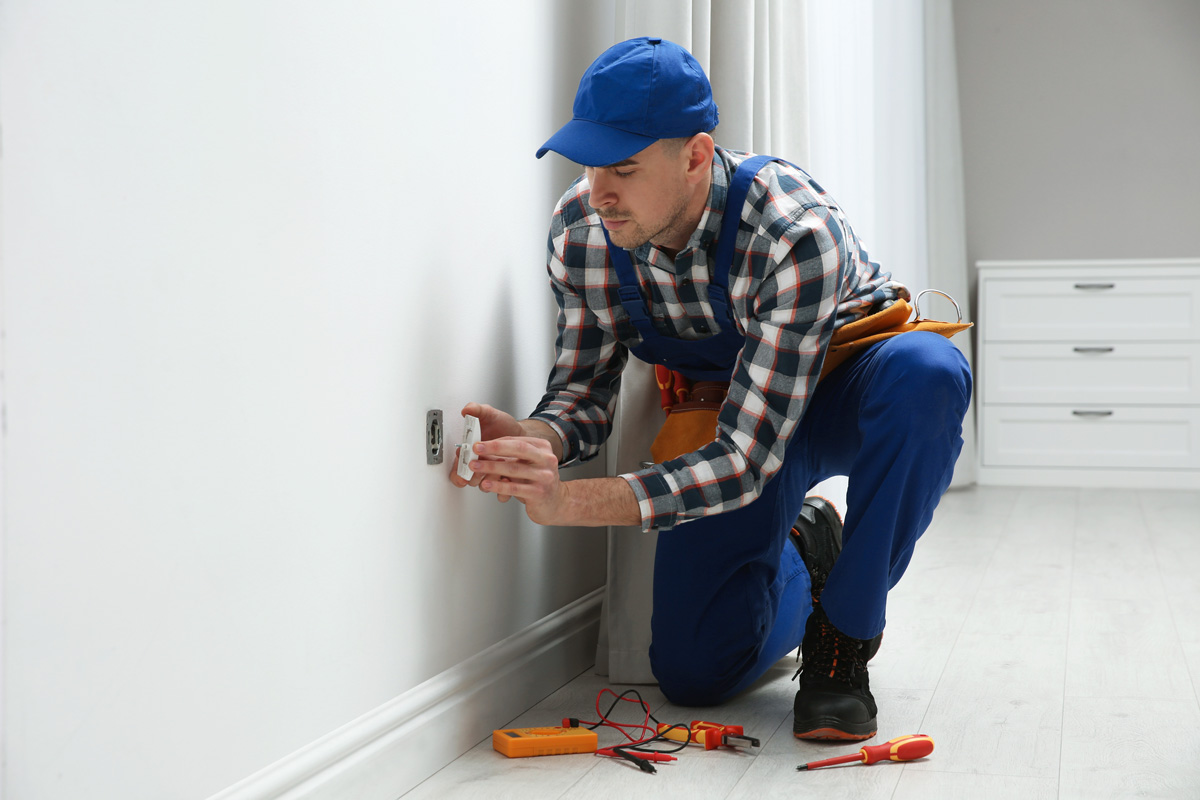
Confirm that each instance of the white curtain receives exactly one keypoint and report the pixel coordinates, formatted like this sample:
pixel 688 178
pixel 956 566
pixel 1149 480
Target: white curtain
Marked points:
pixel 946 221
pixel 884 140
pixel 863 67
pixel 753 53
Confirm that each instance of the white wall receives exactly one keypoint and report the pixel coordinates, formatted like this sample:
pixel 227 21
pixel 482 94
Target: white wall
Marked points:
pixel 1080 120
pixel 246 246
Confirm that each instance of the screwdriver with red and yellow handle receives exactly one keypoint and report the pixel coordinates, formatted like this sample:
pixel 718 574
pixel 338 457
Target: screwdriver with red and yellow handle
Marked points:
pixel 902 748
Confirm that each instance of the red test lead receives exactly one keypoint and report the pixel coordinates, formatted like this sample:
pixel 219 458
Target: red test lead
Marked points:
pixel 902 748
pixel 640 759
pixel 656 757
pixel 636 750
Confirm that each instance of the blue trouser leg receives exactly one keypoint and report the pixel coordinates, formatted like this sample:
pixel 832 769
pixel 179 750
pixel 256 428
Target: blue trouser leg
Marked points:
pixel 724 588
pixel 731 594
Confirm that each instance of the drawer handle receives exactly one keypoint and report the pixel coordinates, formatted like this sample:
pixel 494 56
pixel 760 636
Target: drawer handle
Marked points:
pixel 1095 286
pixel 1092 413
pixel 1094 349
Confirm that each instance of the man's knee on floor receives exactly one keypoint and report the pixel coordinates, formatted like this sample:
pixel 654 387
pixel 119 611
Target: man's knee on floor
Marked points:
pixel 699 676
pixel 689 695
pixel 686 691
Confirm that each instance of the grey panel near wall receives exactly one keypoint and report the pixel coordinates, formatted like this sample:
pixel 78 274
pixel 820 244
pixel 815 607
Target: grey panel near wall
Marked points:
pixel 1080 122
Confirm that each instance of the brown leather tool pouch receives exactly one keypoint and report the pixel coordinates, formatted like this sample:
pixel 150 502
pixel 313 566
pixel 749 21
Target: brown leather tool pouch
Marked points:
pixel 692 408
pixel 691 422
pixel 851 339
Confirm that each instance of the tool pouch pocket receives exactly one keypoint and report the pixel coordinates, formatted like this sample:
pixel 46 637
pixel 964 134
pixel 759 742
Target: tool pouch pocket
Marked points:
pixel 692 410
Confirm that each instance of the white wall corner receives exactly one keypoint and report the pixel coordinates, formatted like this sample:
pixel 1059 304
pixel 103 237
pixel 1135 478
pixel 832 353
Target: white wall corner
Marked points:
pixel 386 752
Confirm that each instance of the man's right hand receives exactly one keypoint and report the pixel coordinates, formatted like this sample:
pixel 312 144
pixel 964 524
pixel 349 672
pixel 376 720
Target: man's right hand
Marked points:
pixel 497 424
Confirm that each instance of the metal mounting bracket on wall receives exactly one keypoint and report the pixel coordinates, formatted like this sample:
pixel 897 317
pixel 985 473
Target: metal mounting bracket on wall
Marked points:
pixel 434 435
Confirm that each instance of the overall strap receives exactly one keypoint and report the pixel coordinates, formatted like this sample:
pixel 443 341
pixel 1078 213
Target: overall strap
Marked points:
pixel 735 201
pixel 631 298
pixel 718 290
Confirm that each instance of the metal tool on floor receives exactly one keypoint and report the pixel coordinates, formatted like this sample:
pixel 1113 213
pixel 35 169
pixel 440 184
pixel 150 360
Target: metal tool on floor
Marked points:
pixel 710 734
pixel 902 748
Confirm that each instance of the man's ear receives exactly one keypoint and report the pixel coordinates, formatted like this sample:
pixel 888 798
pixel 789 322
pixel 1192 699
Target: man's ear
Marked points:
pixel 699 149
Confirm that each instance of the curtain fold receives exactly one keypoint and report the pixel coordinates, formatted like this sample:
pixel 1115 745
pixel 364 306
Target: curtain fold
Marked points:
pixel 753 53
pixel 946 218
pixel 622 651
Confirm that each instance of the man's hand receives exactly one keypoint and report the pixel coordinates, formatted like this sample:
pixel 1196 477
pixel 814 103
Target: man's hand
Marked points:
pixel 493 423
pixel 527 469
pixel 497 424
pixel 512 463
pixel 519 458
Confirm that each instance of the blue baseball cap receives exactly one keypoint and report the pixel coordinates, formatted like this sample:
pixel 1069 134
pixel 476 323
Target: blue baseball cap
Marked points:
pixel 634 94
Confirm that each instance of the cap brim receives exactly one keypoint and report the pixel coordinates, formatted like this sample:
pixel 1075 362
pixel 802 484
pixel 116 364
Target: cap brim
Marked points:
pixel 594 145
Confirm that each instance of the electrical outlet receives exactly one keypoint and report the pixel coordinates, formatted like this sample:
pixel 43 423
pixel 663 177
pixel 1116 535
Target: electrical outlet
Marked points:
pixel 434 437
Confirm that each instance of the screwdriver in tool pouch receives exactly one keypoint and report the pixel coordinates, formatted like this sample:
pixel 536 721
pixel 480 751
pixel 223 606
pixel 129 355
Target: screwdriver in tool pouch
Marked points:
pixel 902 748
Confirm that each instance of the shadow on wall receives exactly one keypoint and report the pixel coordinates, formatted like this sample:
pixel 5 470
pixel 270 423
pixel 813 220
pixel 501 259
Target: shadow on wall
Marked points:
pixel 485 551
pixel 476 553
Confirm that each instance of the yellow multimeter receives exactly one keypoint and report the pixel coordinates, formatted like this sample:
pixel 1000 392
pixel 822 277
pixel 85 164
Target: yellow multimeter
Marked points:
pixel 548 741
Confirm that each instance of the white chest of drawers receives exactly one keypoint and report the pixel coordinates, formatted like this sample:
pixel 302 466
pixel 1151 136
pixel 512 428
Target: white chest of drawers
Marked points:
pixel 1089 373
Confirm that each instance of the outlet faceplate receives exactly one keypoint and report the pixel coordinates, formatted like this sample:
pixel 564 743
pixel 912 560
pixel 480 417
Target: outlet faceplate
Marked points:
pixel 434 437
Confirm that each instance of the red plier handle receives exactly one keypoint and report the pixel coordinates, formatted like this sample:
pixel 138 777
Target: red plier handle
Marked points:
pixel 712 735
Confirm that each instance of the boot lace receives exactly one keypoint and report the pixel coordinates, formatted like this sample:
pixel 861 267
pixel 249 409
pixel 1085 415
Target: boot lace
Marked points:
pixel 833 655
pixel 818 577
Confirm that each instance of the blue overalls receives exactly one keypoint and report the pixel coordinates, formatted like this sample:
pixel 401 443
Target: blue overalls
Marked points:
pixel 731 593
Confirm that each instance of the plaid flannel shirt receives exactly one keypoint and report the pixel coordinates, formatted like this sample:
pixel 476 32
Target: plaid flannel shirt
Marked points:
pixel 798 273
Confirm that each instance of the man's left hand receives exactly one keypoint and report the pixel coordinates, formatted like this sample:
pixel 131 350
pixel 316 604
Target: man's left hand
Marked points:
pixel 526 468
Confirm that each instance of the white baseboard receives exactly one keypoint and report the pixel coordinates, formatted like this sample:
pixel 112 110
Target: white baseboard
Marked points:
pixel 386 752
pixel 1089 478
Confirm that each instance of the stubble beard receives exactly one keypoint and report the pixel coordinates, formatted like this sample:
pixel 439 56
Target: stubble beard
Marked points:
pixel 633 234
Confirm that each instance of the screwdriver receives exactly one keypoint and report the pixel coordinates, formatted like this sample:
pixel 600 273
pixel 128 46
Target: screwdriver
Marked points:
pixel 902 748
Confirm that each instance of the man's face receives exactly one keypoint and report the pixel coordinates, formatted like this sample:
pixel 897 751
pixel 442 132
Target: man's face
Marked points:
pixel 644 198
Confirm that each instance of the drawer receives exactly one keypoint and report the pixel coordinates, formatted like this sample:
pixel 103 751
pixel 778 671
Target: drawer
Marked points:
pixel 1091 309
pixel 1050 436
pixel 1119 373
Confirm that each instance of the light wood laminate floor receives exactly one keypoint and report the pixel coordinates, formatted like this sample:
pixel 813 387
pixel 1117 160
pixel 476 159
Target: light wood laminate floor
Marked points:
pixel 1047 639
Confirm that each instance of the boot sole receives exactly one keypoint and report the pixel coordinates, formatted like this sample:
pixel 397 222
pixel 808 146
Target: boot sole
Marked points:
pixel 831 730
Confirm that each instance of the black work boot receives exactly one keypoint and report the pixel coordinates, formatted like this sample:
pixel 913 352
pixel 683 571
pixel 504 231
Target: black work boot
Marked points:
pixel 834 700
pixel 817 534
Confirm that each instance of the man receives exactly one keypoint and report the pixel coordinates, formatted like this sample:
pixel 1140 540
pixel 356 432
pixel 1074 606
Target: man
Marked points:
pixel 666 250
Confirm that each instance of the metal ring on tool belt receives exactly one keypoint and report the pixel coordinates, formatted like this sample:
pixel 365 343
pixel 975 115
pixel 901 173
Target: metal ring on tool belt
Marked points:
pixel 917 304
